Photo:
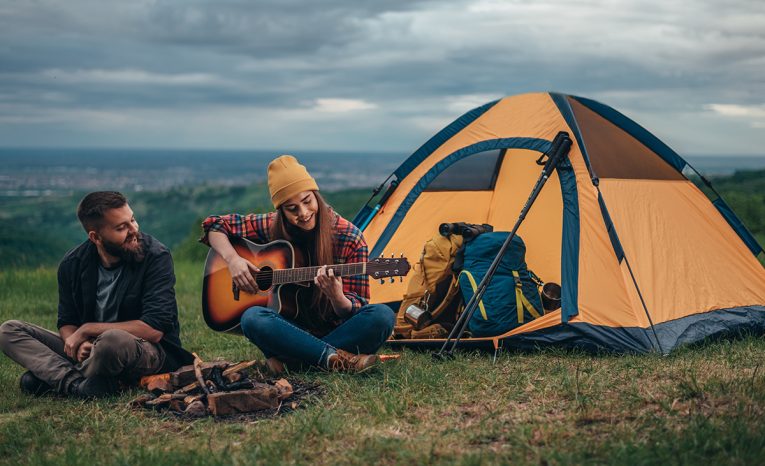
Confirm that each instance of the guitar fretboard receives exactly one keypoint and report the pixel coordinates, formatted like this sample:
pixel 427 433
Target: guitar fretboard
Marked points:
pixel 307 274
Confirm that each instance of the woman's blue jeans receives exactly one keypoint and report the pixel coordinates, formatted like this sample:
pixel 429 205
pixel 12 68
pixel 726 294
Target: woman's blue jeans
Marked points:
pixel 365 332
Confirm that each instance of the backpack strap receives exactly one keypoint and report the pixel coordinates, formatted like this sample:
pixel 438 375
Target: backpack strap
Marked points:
pixel 521 302
pixel 452 293
pixel 474 285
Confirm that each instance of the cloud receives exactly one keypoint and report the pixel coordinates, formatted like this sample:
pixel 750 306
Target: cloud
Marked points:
pixel 301 68
pixel 754 114
pixel 342 105
pixel 129 76
pixel 751 111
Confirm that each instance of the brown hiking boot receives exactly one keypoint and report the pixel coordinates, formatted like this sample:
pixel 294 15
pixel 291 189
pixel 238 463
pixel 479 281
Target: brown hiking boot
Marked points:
pixel 275 366
pixel 343 361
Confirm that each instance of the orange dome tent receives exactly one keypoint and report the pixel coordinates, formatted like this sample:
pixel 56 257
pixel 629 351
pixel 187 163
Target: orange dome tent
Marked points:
pixel 645 261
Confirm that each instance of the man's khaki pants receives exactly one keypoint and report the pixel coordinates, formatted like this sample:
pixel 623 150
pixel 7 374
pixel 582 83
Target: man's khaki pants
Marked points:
pixel 115 353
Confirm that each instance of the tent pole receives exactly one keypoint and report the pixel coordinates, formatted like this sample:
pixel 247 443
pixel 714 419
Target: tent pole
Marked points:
pixel 558 150
pixel 606 216
pixel 642 301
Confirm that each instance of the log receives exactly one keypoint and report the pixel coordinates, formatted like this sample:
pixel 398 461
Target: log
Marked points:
pixel 226 373
pixel 198 373
pixel 239 367
pixel 178 406
pixel 149 379
pixel 141 401
pixel 263 396
pixel 233 377
pixel 196 409
pixel 192 398
pixel 164 399
pixel 284 389
pixel 187 388
pixel 159 386
pixel 185 375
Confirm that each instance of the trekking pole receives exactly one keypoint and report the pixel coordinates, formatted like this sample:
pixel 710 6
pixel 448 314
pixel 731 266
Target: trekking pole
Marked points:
pixel 558 150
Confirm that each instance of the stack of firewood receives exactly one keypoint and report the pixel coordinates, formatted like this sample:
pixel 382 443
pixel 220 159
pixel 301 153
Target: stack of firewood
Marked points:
pixel 216 388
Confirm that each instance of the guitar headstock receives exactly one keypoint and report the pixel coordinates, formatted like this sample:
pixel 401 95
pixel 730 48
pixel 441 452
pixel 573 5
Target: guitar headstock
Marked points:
pixel 388 267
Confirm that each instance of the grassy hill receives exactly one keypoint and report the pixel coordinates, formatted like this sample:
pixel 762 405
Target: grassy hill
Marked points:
pixel 701 405
pixel 44 228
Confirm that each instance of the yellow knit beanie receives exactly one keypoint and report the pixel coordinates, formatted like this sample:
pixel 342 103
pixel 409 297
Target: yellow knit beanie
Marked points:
pixel 286 177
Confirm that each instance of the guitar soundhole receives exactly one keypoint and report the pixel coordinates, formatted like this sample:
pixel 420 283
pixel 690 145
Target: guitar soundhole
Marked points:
pixel 264 278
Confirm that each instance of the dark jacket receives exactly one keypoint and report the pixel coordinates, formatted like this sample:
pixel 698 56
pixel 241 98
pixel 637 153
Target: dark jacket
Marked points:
pixel 145 292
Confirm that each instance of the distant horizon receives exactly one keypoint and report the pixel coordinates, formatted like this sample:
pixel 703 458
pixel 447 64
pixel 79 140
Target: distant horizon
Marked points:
pixel 289 150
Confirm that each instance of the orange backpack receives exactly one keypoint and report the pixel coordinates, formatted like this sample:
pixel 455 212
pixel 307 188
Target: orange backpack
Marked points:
pixel 433 288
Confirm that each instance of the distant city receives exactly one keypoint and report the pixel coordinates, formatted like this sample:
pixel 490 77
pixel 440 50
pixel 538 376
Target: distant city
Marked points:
pixel 51 172
pixel 28 172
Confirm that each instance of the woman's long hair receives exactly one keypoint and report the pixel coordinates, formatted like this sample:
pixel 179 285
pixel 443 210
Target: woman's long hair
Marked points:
pixel 323 247
pixel 323 241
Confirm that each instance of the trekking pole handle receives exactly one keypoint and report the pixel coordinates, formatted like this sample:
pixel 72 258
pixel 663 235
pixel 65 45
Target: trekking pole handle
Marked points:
pixel 551 150
pixel 559 148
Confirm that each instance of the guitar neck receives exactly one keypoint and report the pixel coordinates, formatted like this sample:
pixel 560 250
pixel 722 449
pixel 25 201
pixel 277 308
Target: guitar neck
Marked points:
pixel 307 274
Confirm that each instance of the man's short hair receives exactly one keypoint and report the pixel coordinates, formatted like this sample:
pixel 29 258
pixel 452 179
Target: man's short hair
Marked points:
pixel 92 207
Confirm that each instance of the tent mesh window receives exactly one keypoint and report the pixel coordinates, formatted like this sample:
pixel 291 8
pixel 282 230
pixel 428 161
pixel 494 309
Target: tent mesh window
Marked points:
pixel 477 172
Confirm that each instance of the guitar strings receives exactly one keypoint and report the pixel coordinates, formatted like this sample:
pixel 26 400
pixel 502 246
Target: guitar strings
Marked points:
pixel 270 273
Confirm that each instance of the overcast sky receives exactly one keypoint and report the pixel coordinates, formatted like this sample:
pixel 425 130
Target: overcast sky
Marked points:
pixel 369 75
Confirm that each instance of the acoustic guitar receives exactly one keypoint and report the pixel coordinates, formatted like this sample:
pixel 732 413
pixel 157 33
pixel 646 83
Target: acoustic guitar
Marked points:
pixel 284 283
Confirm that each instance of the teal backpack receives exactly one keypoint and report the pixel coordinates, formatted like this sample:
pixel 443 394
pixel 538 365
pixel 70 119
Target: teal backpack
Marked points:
pixel 512 297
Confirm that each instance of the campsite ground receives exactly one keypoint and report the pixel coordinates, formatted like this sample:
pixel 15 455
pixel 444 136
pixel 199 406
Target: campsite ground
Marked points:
pixel 700 405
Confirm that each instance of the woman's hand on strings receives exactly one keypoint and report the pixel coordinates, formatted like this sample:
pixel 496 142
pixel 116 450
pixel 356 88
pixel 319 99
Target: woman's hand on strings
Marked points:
pixel 243 274
pixel 329 284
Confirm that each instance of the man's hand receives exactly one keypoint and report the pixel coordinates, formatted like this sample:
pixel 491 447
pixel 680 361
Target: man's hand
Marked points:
pixel 83 352
pixel 242 272
pixel 73 342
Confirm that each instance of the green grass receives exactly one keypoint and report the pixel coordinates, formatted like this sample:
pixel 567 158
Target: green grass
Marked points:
pixel 702 405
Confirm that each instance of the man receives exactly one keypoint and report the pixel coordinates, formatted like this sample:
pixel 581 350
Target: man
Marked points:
pixel 117 315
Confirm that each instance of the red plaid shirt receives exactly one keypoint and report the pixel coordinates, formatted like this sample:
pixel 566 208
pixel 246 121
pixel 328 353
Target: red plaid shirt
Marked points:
pixel 349 245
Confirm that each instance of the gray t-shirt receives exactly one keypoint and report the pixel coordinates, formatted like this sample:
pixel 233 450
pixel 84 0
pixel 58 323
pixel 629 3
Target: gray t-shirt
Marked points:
pixel 106 293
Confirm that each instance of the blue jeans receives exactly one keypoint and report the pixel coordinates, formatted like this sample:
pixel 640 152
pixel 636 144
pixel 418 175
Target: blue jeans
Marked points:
pixel 365 332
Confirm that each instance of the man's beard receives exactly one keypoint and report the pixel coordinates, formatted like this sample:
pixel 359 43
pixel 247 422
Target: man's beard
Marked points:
pixel 124 252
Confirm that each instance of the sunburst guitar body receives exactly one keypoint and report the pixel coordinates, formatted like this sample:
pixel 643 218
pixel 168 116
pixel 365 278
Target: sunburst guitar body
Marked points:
pixel 284 282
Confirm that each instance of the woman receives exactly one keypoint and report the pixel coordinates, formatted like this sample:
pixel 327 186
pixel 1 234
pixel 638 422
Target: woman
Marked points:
pixel 339 331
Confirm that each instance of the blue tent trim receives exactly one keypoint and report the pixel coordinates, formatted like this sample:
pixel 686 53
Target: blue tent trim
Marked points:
pixel 361 220
pixel 442 136
pixel 539 145
pixel 738 226
pixel 746 320
pixel 564 107
pixel 570 251
pixel 570 241
pixel 636 131
pixel 615 243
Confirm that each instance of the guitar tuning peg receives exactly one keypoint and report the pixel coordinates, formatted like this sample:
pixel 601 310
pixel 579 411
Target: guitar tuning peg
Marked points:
pixel 402 255
pixel 382 281
pixel 392 279
pixel 392 255
pixel 401 279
